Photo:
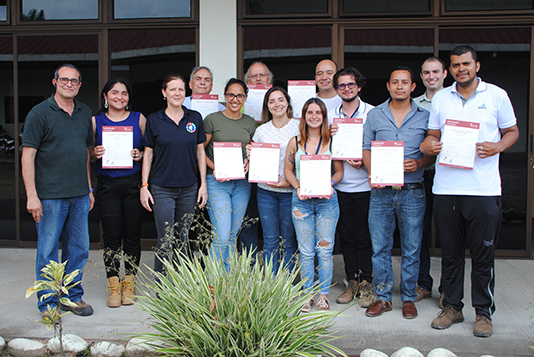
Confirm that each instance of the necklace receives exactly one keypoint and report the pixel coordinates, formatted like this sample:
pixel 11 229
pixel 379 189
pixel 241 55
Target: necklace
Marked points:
pixel 280 127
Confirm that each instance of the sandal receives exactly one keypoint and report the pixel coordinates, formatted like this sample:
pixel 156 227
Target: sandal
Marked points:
pixel 307 306
pixel 322 304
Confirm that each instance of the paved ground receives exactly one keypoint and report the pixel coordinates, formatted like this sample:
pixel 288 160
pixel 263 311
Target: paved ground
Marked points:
pixel 513 321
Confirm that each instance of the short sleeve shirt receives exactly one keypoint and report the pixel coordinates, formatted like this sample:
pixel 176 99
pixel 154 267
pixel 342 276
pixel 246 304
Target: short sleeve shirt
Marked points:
pixel 61 141
pixel 224 129
pixel 175 147
pixel 491 107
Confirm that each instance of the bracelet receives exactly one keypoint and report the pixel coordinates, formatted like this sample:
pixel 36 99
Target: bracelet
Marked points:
pixel 144 184
pixel 296 188
pixel 334 182
pixel 90 189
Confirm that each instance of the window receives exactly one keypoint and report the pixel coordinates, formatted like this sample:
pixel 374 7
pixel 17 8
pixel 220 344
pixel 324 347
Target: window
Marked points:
pixel 142 9
pixel 276 7
pixel 385 6
pixel 39 10
pixel 482 5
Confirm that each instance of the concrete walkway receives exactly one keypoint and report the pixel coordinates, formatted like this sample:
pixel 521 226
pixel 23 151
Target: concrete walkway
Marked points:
pixel 513 321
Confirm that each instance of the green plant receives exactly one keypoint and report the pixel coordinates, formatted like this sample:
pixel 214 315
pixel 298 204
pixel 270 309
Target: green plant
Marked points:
pixel 56 284
pixel 200 309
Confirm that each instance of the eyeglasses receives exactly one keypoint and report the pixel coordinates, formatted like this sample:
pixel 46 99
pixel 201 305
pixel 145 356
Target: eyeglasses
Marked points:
pixel 64 81
pixel 258 75
pixel 239 96
pixel 342 86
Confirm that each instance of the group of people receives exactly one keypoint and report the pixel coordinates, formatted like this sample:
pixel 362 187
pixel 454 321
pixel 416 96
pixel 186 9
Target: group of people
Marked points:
pixel 173 171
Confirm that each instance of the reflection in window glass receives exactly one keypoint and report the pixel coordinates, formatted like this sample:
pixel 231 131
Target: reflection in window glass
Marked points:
pixel 385 5
pixel 39 10
pixel 3 11
pixel 142 9
pixel 481 5
pixel 264 7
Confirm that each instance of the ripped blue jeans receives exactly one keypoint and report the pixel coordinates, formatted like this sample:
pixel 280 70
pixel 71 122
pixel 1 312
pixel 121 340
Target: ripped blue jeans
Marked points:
pixel 315 223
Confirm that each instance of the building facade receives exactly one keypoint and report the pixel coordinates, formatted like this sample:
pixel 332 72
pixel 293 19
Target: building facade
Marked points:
pixel 143 41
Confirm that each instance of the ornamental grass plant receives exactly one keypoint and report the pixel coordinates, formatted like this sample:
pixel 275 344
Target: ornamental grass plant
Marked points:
pixel 198 308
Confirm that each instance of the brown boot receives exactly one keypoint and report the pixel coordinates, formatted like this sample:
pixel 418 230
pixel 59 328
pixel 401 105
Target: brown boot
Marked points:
pixel 114 291
pixel 128 290
pixel 349 293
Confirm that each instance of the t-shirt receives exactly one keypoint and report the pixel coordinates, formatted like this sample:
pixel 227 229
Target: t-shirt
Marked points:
pixel 133 121
pixel 175 147
pixel 330 103
pixel 268 133
pixel 490 106
pixel 354 180
pixel 61 141
pixel 224 129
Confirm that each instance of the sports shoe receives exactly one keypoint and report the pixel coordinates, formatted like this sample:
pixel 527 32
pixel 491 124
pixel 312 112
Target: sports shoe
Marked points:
pixel 422 294
pixel 350 293
pixel 483 326
pixel 366 294
pixel 307 306
pixel 81 308
pixel 447 317
pixel 322 304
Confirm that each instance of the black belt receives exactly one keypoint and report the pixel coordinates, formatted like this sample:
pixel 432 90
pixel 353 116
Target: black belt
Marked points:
pixel 407 186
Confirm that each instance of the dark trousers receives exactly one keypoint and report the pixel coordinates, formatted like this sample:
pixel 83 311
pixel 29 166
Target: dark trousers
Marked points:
pixel 475 222
pixel 353 230
pixel 121 215
pixel 425 280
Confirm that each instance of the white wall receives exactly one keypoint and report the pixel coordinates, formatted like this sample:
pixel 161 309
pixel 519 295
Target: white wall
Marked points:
pixel 218 40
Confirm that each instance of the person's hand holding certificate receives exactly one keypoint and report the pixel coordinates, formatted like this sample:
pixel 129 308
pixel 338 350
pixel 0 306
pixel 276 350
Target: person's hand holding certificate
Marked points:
pixel 315 176
pixel 459 144
pixel 348 141
pixel 387 163
pixel 228 160
pixel 264 160
pixel 118 142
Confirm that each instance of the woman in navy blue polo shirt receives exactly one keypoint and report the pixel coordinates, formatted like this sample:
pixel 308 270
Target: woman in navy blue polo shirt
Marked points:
pixel 117 192
pixel 174 157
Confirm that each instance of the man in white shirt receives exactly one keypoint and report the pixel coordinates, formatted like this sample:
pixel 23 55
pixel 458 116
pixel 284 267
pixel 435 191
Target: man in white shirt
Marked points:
pixel 324 79
pixel 433 74
pixel 467 203
pixel 353 196
pixel 200 82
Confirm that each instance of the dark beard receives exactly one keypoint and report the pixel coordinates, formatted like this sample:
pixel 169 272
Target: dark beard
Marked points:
pixel 348 100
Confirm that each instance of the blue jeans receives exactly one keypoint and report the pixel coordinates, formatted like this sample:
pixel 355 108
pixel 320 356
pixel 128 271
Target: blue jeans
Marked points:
pixel 173 205
pixel 315 223
pixel 279 241
pixel 409 207
pixel 68 218
pixel 227 204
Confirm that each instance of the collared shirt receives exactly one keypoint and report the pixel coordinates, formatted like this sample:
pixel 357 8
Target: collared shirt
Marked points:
pixel 423 101
pixel 61 141
pixel 175 147
pixel 354 180
pixel 489 106
pixel 381 126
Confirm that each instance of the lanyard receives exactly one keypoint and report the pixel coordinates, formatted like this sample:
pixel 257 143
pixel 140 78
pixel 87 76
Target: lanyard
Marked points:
pixel 318 147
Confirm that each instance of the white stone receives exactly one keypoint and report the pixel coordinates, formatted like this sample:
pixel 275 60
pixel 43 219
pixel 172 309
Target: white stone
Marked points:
pixel 138 347
pixel 369 352
pixel 407 352
pixel 487 356
pixel 22 347
pixel 71 343
pixel 106 349
pixel 2 343
pixel 441 352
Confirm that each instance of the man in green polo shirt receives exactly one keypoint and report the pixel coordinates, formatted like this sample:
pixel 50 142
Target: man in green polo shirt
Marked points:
pixel 55 168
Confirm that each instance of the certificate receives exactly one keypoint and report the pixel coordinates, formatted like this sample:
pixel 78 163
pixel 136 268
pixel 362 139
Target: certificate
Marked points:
pixel 348 141
pixel 387 163
pixel 205 104
pixel 315 175
pixel 264 162
pixel 228 160
pixel 118 142
pixel 254 104
pixel 300 92
pixel 459 144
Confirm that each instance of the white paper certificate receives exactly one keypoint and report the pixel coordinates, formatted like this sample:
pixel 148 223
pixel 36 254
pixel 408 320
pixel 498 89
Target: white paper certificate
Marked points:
pixel 315 175
pixel 205 104
pixel 118 142
pixel 387 163
pixel 300 92
pixel 264 161
pixel 459 144
pixel 254 104
pixel 348 141
pixel 228 160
